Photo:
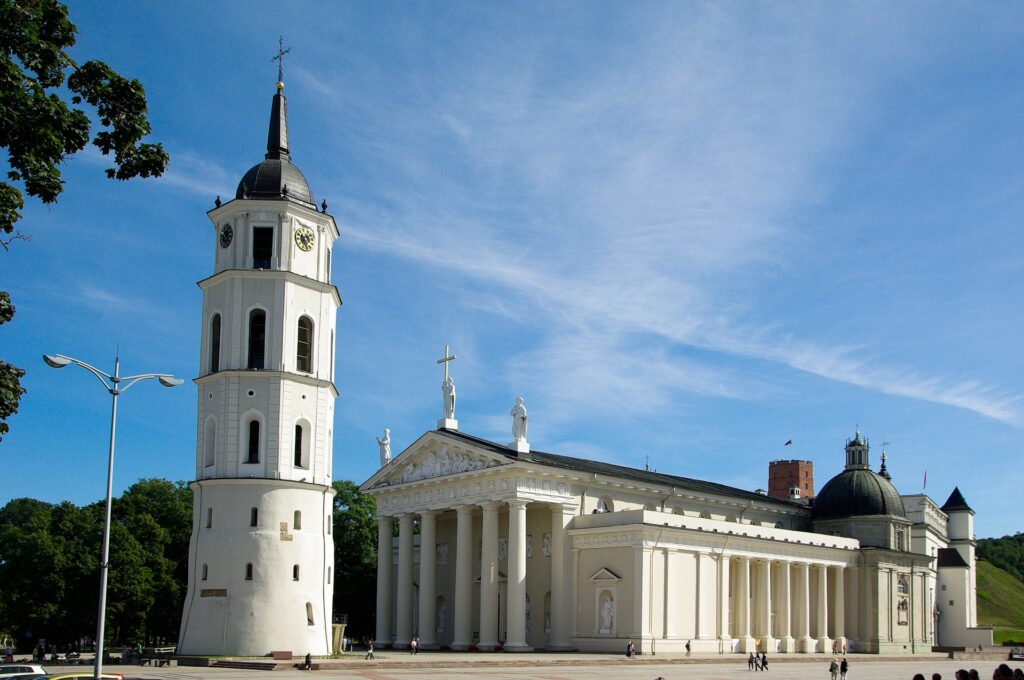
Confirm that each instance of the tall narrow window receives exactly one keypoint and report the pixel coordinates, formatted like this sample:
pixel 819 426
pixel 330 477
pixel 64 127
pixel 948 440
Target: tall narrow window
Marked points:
pixel 248 571
pixel 330 524
pixel 328 575
pixel 297 523
pixel 304 346
pixel 295 572
pixel 209 518
pixel 257 337
pixel 206 571
pixel 298 445
pixel 309 614
pixel 254 516
pixel 254 442
pixel 262 247
pixel 328 265
pixel 210 443
pixel 215 343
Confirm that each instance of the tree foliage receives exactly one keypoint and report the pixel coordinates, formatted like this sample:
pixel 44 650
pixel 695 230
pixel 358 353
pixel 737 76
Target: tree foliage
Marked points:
pixel 42 122
pixel 49 566
pixel 355 558
pixel 1007 553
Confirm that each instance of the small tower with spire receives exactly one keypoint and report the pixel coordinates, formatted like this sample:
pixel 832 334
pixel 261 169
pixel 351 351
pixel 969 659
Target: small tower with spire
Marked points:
pixel 857 452
pixel 261 557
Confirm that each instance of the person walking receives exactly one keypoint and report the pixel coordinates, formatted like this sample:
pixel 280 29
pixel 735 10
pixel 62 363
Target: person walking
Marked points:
pixel 764 661
pixel 750 662
pixel 307 665
pixel 843 668
pixel 630 650
pixel 833 669
pixel 413 644
pixel 369 650
pixel 687 648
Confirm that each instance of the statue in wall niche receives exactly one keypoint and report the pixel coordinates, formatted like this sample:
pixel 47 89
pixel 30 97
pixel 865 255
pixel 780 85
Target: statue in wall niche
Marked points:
pixel 546 545
pixel 529 546
pixel 518 414
pixel 442 614
pixel 442 553
pixel 502 549
pixel 384 443
pixel 547 615
pixel 607 614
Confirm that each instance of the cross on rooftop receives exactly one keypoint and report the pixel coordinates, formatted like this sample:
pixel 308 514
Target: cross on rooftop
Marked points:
pixel 279 58
pixel 444 360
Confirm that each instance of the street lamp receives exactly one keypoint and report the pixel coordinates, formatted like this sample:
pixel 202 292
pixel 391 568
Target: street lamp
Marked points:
pixel 114 385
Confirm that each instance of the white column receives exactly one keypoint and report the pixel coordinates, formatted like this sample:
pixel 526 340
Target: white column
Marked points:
pixel 561 603
pixel 767 640
pixel 428 582
pixel 806 643
pixel 824 643
pixel 723 597
pixel 785 616
pixel 743 606
pixel 385 553
pixel 463 632
pixel 839 611
pixel 489 577
pixel 707 577
pixel 516 622
pixel 404 615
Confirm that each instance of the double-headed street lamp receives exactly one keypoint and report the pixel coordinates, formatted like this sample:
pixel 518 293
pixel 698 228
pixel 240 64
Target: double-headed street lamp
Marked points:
pixel 114 385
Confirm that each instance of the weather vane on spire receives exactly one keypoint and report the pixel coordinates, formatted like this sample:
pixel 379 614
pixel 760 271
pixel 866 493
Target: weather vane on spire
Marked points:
pixel 279 58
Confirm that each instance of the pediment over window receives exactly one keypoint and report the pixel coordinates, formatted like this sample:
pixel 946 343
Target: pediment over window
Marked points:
pixel 429 459
pixel 604 574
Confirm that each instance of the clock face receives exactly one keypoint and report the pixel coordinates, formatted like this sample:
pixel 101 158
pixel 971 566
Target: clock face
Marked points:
pixel 304 238
pixel 226 234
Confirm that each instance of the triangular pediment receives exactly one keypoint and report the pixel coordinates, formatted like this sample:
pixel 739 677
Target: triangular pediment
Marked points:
pixel 605 574
pixel 433 456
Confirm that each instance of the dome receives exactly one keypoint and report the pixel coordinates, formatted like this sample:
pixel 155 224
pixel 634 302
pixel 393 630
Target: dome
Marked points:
pixel 276 177
pixel 858 492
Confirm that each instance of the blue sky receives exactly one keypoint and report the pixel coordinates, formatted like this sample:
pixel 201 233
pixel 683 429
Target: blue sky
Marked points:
pixel 681 231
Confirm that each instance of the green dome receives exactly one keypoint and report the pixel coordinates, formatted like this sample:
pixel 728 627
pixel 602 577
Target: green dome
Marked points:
pixel 856 493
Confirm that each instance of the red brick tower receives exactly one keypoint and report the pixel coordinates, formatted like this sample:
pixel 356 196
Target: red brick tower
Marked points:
pixel 784 475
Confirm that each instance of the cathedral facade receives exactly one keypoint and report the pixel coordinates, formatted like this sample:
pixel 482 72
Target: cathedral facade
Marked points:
pixel 522 550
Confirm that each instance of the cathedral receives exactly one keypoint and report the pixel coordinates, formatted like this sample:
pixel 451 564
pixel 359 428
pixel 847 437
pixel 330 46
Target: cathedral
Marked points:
pixel 500 546
pixel 523 550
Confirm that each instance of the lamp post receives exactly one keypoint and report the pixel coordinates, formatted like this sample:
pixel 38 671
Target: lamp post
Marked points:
pixel 115 386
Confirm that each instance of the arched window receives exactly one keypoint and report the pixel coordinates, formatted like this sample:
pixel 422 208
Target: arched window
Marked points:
pixel 254 516
pixel 248 571
pixel 215 343
pixel 901 585
pixel 304 346
pixel 206 571
pixel 300 448
pixel 295 572
pixel 309 614
pixel 210 443
pixel 298 520
pixel 257 338
pixel 209 518
pixel 253 443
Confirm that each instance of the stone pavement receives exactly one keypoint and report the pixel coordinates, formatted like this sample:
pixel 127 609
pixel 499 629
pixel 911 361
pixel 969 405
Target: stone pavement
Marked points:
pixel 442 666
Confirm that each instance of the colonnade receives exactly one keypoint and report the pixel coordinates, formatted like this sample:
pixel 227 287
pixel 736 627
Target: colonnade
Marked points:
pixel 761 618
pixel 515 608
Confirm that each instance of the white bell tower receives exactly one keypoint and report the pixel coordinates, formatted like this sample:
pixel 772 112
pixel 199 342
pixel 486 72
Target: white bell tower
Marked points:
pixel 262 552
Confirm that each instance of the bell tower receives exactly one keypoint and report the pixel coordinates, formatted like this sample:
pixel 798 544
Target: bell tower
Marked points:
pixel 262 552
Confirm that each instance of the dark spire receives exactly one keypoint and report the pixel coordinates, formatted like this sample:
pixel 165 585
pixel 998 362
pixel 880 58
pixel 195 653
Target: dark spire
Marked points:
pixel 956 502
pixel 277 135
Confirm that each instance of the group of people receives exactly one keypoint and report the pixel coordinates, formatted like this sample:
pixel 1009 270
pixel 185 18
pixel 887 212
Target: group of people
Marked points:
pixel 757 661
pixel 1002 672
pixel 838 669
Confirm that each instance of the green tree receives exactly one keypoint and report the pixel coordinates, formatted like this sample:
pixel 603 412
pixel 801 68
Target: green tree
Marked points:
pixel 42 123
pixel 355 558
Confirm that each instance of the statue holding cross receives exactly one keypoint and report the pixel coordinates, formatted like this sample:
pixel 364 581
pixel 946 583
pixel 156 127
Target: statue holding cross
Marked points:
pixel 448 392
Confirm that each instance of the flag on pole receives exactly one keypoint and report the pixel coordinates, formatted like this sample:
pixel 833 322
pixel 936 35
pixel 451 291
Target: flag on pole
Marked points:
pixel 788 442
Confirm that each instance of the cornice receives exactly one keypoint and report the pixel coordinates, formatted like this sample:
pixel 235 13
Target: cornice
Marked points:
pixel 303 378
pixel 258 274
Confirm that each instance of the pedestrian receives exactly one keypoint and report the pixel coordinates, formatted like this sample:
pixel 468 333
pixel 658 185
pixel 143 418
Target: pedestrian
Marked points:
pixel 412 646
pixel 687 648
pixel 630 650
pixel 833 669
pixel 369 650
pixel 308 664
pixel 750 662
pixel 843 668
pixel 764 661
